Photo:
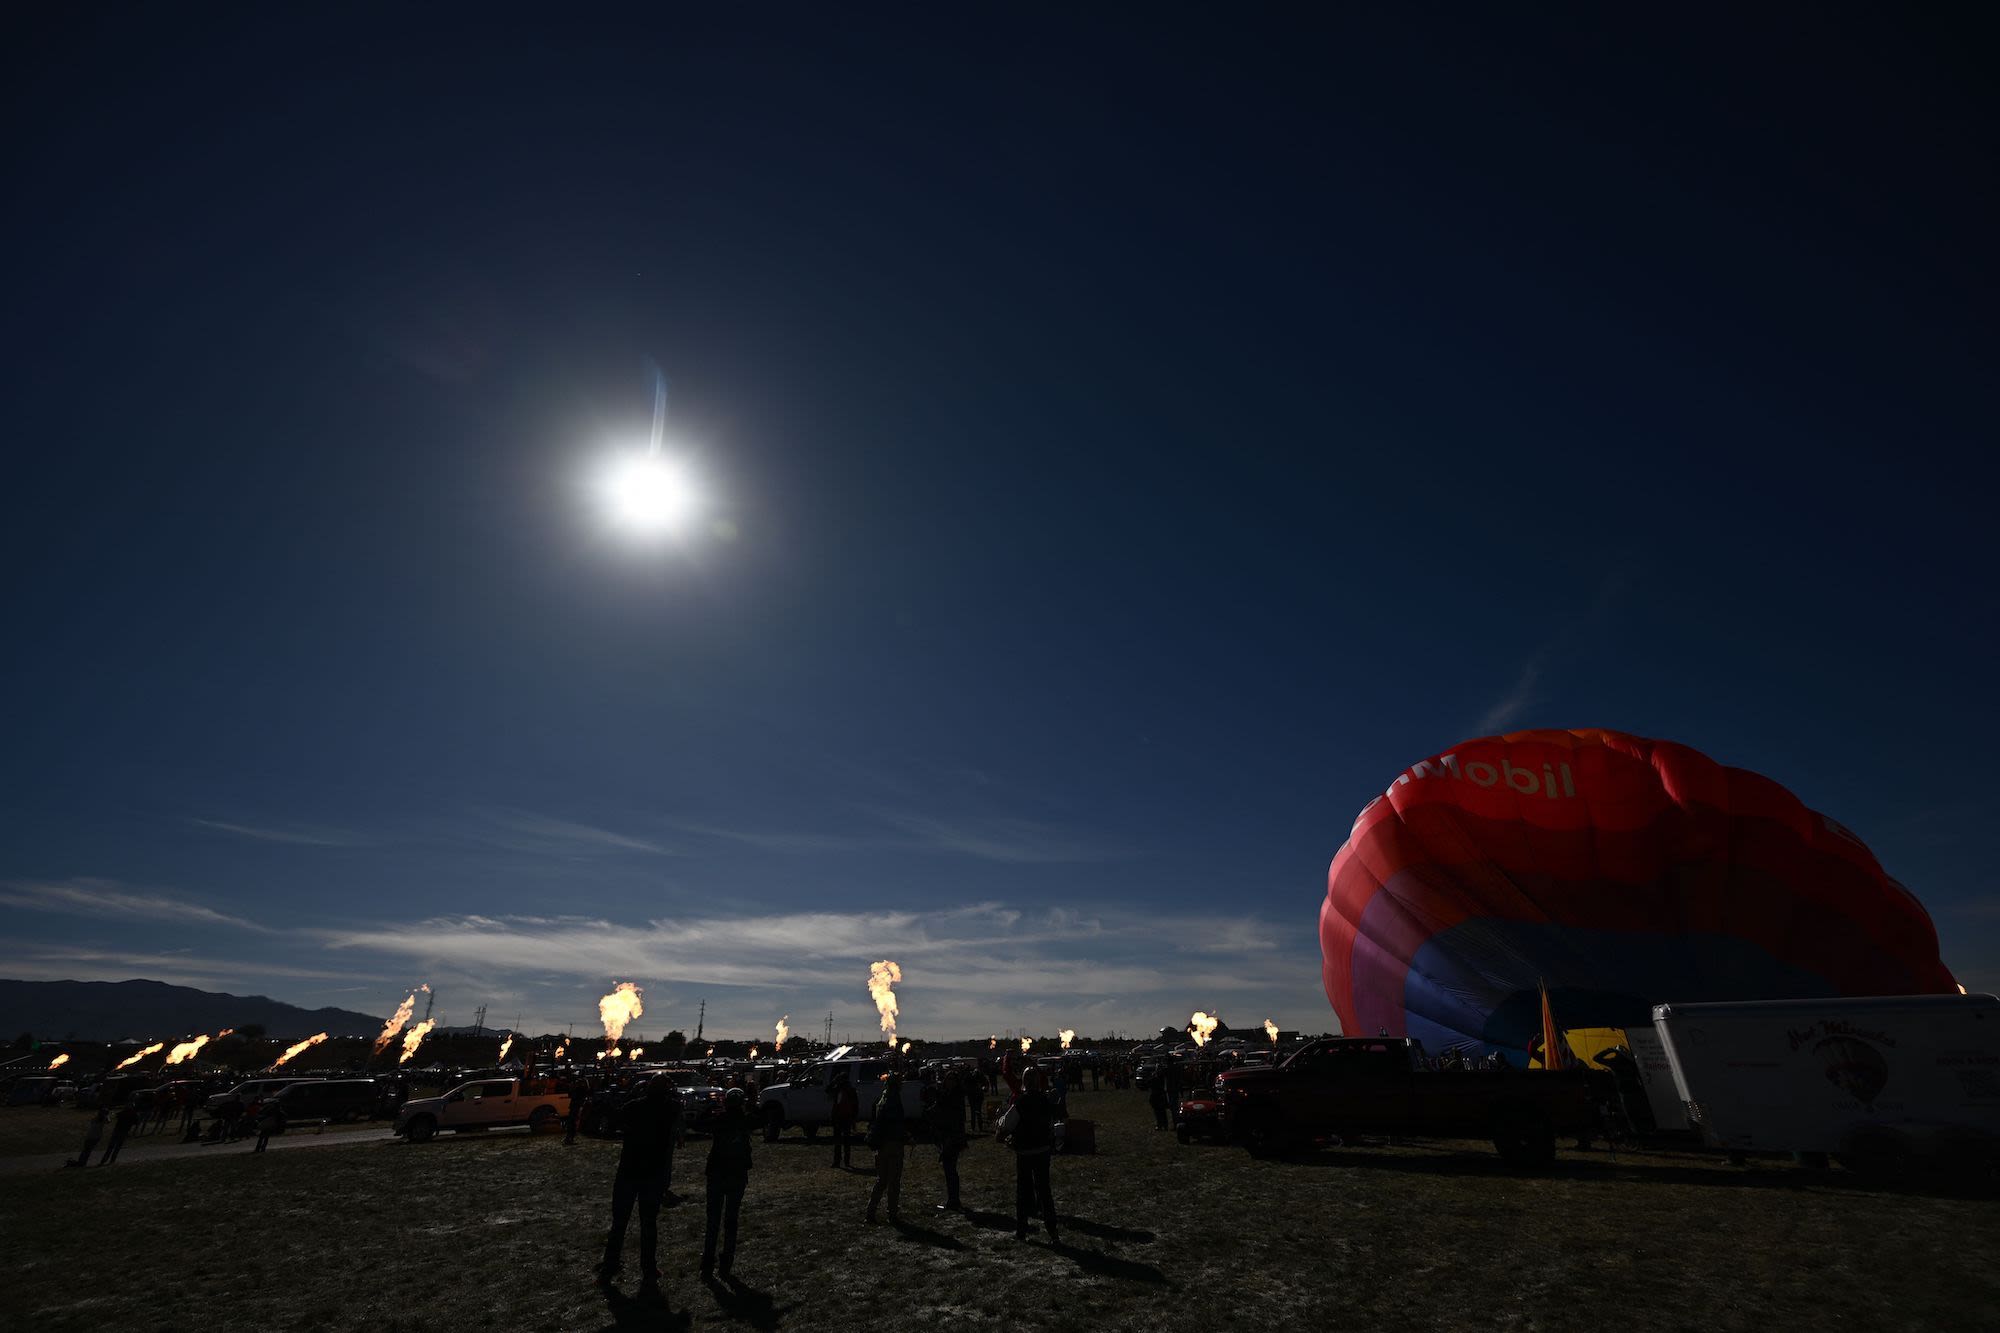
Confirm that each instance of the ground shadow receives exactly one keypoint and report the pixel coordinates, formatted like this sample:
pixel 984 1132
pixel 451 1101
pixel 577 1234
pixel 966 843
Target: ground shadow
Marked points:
pixel 991 1221
pixel 742 1302
pixel 1104 1231
pixel 644 1311
pixel 1109 1265
pixel 926 1236
pixel 1456 1162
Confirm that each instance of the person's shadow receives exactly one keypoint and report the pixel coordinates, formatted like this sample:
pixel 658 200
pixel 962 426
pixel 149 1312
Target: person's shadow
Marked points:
pixel 1108 1265
pixel 1104 1231
pixel 648 1312
pixel 926 1236
pixel 743 1302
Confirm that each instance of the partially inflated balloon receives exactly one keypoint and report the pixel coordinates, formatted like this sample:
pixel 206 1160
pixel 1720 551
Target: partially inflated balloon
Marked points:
pixel 1622 872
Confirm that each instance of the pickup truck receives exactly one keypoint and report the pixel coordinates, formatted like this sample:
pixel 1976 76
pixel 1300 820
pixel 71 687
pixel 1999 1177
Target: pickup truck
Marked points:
pixel 807 1100
pixel 485 1104
pixel 1350 1086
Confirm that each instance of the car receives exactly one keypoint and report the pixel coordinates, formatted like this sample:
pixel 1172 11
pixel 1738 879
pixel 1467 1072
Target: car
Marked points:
pixel 243 1094
pixel 31 1092
pixel 537 1103
pixel 806 1101
pixel 332 1100
pixel 700 1106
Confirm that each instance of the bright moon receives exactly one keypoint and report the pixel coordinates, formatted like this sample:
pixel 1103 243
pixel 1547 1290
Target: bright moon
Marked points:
pixel 650 494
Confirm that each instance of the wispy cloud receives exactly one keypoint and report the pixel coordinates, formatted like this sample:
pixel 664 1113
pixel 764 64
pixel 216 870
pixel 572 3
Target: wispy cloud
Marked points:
pixel 302 837
pixel 893 829
pixel 522 831
pixel 177 966
pixel 1021 841
pixel 1510 706
pixel 106 898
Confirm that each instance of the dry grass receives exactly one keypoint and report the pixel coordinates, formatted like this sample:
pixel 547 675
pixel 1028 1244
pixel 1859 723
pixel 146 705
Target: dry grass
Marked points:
pixel 501 1231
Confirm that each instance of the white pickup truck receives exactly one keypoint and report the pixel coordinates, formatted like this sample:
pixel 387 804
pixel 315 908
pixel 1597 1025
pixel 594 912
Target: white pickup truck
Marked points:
pixel 485 1104
pixel 807 1101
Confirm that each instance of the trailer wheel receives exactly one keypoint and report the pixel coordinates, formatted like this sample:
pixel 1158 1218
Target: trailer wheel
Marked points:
pixel 422 1129
pixel 1524 1137
pixel 541 1120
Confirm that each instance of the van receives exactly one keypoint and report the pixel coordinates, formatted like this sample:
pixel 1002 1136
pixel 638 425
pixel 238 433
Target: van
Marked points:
pixel 334 1100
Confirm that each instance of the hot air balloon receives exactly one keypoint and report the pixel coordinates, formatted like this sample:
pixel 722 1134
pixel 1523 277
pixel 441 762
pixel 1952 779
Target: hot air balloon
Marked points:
pixel 1620 872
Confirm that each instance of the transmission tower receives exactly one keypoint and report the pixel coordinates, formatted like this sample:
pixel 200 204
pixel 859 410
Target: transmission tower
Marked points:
pixel 699 1019
pixel 478 1020
pixel 829 1029
pixel 430 998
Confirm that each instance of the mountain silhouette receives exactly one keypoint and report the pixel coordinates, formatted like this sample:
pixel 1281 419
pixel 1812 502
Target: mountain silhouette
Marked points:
pixel 156 1011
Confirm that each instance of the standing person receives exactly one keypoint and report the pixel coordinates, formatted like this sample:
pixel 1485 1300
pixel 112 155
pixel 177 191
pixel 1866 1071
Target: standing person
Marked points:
pixel 1171 1076
pixel 1156 1096
pixel 948 1127
pixel 269 1121
pixel 975 1098
pixel 886 1136
pixel 121 1125
pixel 846 1110
pixel 93 1134
pixel 728 1177
pixel 646 1125
pixel 579 1093
pixel 1029 1128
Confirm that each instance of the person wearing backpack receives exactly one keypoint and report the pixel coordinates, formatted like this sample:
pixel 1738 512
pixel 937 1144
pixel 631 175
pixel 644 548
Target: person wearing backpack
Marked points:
pixel 1029 1128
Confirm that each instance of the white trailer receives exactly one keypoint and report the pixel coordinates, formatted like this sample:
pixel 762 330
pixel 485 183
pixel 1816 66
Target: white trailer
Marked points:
pixel 1871 1081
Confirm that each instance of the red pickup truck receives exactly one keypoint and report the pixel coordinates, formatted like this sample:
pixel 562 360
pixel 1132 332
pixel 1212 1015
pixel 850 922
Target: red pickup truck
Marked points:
pixel 1349 1086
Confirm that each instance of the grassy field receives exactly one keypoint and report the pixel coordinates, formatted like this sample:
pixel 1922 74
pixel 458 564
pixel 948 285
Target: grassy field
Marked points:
pixel 501 1231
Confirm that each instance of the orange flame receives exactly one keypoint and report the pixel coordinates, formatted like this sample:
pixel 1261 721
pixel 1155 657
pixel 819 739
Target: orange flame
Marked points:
pixel 187 1049
pixel 1202 1026
pixel 137 1056
pixel 620 1007
pixel 415 1038
pixel 608 1053
pixel 635 1052
pixel 881 976
pixel 992 1041
pixel 1068 1036
pixel 906 1048
pixel 395 1023
pixel 784 1031
pixel 561 1046
pixel 59 1061
pixel 291 1051
pixel 753 1053
pixel 1271 1030
pixel 503 1049
pixel 1026 1042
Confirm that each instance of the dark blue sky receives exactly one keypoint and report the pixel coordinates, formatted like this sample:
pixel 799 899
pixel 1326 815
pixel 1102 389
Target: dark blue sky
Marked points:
pixel 1142 435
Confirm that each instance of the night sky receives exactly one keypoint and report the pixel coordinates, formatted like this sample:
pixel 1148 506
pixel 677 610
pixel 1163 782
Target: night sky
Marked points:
pixel 1133 437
